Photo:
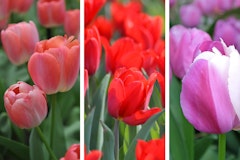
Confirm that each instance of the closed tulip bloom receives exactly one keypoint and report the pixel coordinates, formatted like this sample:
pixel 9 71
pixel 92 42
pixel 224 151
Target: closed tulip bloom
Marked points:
pixel 26 105
pixel 183 42
pixel 85 81
pixel 72 22
pixel 190 15
pixel 54 66
pixel 92 155
pixel 228 30
pixel 24 36
pixel 151 150
pixel 93 50
pixel 73 153
pixel 123 53
pixel 211 91
pixel 20 6
pixel 51 13
pixel 105 30
pixel 126 85
pixel 4 9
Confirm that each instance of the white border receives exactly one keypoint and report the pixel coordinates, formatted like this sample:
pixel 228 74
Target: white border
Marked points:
pixel 81 39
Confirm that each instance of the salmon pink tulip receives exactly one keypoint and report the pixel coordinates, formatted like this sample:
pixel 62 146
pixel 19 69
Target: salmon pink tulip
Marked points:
pixel 20 6
pixel 24 36
pixel 123 53
pixel 126 85
pixel 211 90
pixel 73 153
pixel 4 9
pixel 51 13
pixel 93 50
pixel 54 66
pixel 151 150
pixel 72 22
pixel 26 105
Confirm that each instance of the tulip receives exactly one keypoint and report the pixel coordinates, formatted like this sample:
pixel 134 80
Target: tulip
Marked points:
pixel 24 37
pixel 20 6
pixel 123 53
pixel 25 105
pixel 51 13
pixel 73 153
pixel 211 91
pixel 126 85
pixel 144 29
pixel 72 22
pixel 93 50
pixel 228 30
pixel 91 9
pixel 105 30
pixel 153 149
pixel 190 15
pixel 54 66
pixel 92 155
pixel 183 42
pixel 4 9
pixel 85 81
pixel 120 11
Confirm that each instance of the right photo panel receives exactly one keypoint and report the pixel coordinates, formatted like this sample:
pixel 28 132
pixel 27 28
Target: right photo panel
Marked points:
pixel 204 79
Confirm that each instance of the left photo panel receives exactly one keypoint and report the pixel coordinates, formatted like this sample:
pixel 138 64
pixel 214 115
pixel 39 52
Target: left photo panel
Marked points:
pixel 124 68
pixel 39 79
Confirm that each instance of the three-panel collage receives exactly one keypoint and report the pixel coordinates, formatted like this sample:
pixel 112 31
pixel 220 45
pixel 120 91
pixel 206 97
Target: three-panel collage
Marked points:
pixel 119 79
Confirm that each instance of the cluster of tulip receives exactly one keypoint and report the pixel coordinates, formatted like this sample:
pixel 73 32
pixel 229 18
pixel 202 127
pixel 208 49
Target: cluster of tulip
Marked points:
pixel 124 79
pixel 204 56
pixel 49 66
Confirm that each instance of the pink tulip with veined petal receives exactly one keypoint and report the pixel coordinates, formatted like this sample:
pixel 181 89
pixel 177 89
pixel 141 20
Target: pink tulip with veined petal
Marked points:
pixel 211 90
pixel 26 105
pixel 54 66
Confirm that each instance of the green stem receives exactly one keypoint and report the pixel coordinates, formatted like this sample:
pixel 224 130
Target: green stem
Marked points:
pixel 52 156
pixel 49 33
pixel 221 147
pixel 53 105
pixel 116 135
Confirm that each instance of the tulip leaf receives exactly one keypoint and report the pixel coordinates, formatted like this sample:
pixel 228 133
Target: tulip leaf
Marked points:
pixel 130 133
pixel 202 145
pixel 36 146
pixel 181 132
pixel 87 128
pixel 142 134
pixel 5 125
pixel 108 144
pixel 99 102
pixel 18 150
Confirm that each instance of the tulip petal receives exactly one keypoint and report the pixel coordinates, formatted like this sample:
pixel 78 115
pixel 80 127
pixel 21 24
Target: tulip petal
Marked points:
pixel 45 71
pixel 116 95
pixel 204 97
pixel 140 116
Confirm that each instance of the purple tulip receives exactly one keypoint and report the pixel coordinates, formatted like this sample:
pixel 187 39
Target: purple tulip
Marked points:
pixel 229 31
pixel 183 42
pixel 190 15
pixel 211 90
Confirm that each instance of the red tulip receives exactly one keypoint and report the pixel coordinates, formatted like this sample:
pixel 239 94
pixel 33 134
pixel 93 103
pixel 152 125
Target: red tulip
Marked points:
pixel 20 6
pixel 54 66
pixel 51 13
pixel 85 81
pixel 24 36
pixel 123 53
pixel 26 105
pixel 151 150
pixel 93 50
pixel 73 153
pixel 128 96
pixel 144 29
pixel 92 155
pixel 121 11
pixel 91 9
pixel 105 30
pixel 72 22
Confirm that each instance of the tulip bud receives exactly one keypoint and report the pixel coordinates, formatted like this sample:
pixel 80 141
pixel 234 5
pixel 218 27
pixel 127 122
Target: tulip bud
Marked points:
pixel 211 91
pixel 26 105
pixel 72 22
pixel 183 42
pixel 126 84
pixel 54 66
pixel 190 15
pixel 51 13
pixel 85 81
pixel 4 9
pixel 20 6
pixel 24 36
